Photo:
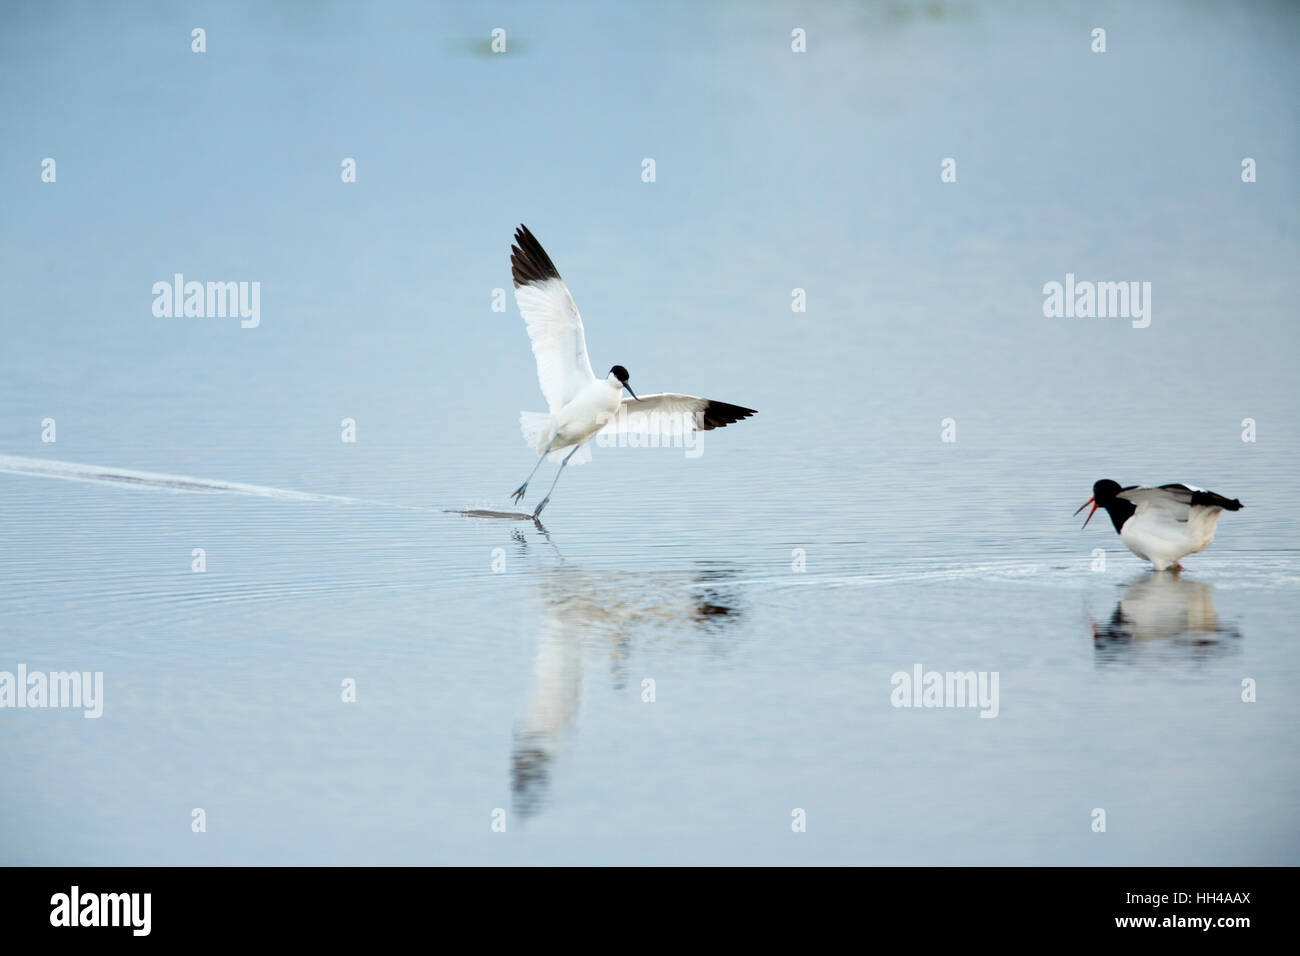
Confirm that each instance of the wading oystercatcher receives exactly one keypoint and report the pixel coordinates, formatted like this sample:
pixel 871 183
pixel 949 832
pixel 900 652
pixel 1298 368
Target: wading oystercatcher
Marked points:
pixel 1162 524
pixel 580 405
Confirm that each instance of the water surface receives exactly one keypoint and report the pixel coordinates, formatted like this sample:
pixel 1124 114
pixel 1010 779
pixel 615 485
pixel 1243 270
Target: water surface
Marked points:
pixel 771 587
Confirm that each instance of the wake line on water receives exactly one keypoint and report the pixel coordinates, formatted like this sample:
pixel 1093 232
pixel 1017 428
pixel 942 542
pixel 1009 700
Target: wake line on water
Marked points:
pixel 98 474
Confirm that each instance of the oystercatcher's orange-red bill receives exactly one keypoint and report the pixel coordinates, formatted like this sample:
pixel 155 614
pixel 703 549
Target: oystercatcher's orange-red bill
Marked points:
pixel 1090 501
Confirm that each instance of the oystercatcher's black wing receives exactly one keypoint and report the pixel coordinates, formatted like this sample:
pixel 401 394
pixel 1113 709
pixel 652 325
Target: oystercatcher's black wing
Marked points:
pixel 1208 499
pixel 1176 501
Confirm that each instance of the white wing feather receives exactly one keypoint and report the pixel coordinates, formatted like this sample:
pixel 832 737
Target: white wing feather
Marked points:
pixel 667 411
pixel 1167 504
pixel 559 342
pixel 553 321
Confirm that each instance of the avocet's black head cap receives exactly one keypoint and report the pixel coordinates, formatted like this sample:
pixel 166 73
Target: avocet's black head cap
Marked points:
pixel 1105 490
pixel 620 373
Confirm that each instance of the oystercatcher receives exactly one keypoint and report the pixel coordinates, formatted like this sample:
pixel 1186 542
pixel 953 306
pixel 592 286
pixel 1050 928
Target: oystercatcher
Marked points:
pixel 580 405
pixel 1163 524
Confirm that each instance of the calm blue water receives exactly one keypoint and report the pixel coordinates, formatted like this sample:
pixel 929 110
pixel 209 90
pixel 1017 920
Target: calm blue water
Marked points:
pixel 498 666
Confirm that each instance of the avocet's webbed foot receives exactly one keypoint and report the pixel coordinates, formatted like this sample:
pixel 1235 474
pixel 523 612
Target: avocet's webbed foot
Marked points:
pixel 540 507
pixel 519 492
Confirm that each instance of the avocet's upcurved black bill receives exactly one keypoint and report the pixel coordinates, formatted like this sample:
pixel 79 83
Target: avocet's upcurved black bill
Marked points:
pixel 1090 501
pixel 629 390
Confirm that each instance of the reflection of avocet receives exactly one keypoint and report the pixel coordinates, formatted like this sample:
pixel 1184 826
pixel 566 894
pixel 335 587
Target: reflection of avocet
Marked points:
pixel 583 611
pixel 580 405
pixel 1158 607
pixel 555 696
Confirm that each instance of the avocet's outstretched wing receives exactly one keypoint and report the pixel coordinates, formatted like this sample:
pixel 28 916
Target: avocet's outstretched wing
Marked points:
pixel 553 322
pixel 1175 502
pixel 671 410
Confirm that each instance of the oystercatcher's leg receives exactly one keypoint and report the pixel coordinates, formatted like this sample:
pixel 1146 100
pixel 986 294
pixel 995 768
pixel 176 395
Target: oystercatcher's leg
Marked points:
pixel 519 492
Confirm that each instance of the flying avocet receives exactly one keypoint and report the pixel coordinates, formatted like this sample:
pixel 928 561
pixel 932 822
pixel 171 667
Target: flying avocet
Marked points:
pixel 579 404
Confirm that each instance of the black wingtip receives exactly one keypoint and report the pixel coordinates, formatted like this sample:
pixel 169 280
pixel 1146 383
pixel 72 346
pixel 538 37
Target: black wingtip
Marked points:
pixel 528 260
pixel 720 415
pixel 1209 499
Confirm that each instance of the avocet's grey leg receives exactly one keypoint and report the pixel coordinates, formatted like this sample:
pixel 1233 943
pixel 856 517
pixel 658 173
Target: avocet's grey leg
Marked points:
pixel 556 481
pixel 519 492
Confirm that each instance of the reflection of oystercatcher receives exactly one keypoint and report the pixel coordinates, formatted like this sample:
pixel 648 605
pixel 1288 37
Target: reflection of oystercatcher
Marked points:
pixel 1161 524
pixel 1158 607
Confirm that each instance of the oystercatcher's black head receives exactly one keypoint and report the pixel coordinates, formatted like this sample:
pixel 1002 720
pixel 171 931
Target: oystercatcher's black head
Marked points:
pixel 620 373
pixel 1103 491
pixel 1105 494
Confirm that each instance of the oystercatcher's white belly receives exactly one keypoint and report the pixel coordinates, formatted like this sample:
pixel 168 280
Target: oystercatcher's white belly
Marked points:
pixel 1163 540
